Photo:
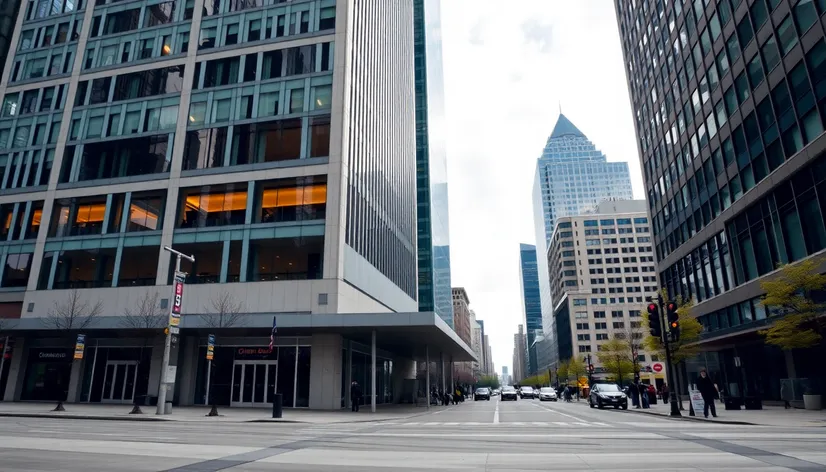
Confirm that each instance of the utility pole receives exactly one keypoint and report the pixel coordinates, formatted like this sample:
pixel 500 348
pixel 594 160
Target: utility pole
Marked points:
pixel 172 326
pixel 675 409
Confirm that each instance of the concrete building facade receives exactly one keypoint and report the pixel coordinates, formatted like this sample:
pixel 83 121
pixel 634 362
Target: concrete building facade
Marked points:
pixel 237 133
pixel 603 272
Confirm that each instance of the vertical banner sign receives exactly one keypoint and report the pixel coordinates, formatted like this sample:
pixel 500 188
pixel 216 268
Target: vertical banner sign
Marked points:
pixel 80 345
pixel 210 347
pixel 178 300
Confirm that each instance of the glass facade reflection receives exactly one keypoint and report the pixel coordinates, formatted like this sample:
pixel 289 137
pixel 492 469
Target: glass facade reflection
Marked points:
pixel 531 303
pixel 431 164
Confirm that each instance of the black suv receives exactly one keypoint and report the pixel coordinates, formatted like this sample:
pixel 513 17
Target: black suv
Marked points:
pixel 605 394
pixel 482 393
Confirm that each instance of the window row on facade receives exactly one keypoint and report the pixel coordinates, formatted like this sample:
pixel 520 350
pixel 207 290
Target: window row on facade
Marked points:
pixel 37 10
pixel 786 225
pixel 219 29
pixel 287 256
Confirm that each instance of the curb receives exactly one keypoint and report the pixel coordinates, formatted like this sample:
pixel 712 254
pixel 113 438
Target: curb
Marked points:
pixel 70 416
pixel 694 418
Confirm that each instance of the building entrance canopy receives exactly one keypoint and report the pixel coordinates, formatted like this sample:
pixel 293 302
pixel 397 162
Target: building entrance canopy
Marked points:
pixel 409 335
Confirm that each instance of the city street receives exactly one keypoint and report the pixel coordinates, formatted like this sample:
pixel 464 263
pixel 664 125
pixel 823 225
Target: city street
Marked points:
pixel 474 436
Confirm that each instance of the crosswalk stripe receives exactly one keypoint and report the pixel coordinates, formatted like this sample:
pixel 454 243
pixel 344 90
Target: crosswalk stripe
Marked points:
pixel 506 425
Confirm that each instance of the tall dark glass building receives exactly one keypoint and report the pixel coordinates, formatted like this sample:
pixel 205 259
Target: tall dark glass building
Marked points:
pixel 531 302
pixel 431 164
pixel 729 101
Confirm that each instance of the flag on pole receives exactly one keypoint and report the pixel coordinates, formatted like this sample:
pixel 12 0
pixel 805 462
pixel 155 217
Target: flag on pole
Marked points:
pixel 272 333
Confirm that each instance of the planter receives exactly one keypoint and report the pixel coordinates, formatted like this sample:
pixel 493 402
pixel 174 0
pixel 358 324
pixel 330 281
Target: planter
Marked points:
pixel 812 402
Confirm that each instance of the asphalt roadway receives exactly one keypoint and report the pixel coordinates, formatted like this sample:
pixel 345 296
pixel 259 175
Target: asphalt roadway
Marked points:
pixel 473 436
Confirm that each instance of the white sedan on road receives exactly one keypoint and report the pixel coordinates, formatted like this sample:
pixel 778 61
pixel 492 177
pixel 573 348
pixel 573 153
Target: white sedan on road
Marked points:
pixel 547 394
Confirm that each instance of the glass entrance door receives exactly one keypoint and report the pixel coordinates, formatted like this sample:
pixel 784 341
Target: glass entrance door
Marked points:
pixel 253 383
pixel 119 381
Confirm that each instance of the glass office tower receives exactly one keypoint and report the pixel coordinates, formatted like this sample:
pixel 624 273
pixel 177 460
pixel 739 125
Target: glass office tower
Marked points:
pixel 431 164
pixel 572 176
pixel 729 102
pixel 531 303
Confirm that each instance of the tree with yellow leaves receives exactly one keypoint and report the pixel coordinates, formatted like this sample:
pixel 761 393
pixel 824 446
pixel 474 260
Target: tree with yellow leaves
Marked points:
pixel 615 357
pixel 790 293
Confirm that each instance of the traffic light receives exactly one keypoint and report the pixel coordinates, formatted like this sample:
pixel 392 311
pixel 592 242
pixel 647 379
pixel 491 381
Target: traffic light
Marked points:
pixel 654 321
pixel 673 320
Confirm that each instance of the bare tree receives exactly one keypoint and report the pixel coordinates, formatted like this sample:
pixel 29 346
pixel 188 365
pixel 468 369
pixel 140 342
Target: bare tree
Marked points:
pixel 70 317
pixel 148 317
pixel 223 311
pixel 633 333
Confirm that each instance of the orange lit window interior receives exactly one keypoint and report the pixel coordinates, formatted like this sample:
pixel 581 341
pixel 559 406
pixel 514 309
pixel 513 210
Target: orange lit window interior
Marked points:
pixel 294 196
pixel 92 213
pixel 7 223
pixel 36 218
pixel 143 217
pixel 209 203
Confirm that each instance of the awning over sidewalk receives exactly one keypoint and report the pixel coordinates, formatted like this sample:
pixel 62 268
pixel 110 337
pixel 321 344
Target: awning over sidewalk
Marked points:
pixel 406 334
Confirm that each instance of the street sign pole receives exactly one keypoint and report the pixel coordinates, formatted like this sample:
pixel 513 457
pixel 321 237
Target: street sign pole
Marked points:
pixel 675 409
pixel 174 321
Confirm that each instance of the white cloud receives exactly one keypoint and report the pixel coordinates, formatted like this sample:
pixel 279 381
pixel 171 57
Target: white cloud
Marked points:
pixel 508 66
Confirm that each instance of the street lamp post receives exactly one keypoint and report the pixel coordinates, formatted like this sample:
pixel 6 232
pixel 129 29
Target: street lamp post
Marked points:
pixel 172 327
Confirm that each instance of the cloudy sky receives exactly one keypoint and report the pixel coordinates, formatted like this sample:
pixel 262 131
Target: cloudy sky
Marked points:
pixel 508 67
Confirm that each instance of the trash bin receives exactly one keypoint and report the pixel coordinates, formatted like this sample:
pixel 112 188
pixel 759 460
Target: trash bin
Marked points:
pixel 167 408
pixel 276 406
pixel 733 403
pixel 753 403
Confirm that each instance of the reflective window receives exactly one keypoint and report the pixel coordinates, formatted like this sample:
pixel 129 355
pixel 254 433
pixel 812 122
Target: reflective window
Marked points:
pixel 285 259
pixel 217 205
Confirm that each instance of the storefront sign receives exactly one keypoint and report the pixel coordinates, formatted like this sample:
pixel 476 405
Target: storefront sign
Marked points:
pixel 49 355
pixel 210 354
pixel 171 373
pixel 177 300
pixel 80 345
pixel 657 367
pixel 252 353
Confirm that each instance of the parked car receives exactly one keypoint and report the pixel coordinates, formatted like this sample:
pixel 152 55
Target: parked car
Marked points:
pixel 482 393
pixel 526 392
pixel 509 393
pixel 547 394
pixel 603 394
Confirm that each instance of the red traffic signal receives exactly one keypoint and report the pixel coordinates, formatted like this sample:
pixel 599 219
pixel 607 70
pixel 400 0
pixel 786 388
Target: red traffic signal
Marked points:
pixel 671 307
pixel 652 308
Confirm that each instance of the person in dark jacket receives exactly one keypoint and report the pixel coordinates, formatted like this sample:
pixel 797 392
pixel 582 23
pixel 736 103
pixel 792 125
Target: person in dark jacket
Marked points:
pixel 355 396
pixel 708 390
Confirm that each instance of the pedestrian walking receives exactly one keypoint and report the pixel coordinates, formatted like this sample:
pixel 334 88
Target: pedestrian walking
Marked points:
pixel 709 391
pixel 355 396
pixel 634 391
pixel 666 393
pixel 785 394
pixel 644 398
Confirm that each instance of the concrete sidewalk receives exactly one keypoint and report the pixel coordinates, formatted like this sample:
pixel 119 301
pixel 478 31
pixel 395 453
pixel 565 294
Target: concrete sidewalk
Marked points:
pixel 769 416
pixel 227 414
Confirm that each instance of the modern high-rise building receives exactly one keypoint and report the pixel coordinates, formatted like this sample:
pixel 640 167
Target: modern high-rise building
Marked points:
pixel 519 352
pixel 433 225
pixel 490 369
pixel 273 141
pixel 602 273
pixel 531 303
pixel 729 103
pixel 571 177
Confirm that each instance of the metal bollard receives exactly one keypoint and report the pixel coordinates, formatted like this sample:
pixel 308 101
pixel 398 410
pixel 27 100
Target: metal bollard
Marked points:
pixel 276 406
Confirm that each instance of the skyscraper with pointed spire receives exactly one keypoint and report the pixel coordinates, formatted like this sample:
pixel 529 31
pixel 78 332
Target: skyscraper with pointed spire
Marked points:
pixel 572 176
